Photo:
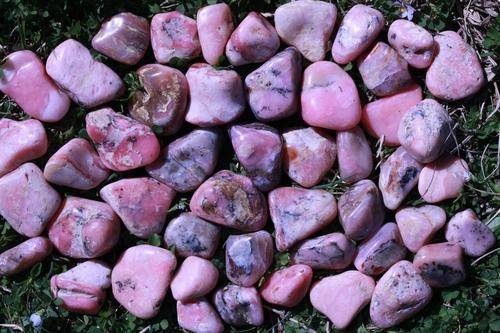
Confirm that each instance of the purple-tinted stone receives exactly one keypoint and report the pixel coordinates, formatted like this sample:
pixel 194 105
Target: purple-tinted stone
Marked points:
pixel 239 306
pixel 25 255
pixel 354 155
pixel 195 278
pixel 215 25
pixel 288 286
pixel 199 317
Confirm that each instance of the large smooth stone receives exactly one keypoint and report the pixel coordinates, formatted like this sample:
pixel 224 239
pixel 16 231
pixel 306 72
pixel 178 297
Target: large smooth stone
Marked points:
pixel 288 286
pixel 195 278
pixel 298 213
pixel 199 317
pixel 354 155
pixel 215 25
pixel 86 81
pixel 27 201
pixel 239 306
pixel 456 72
pixel 310 33
pixel 122 142
pixel 248 256
pixel 25 81
pixel 398 295
pixel 230 200
pixel 25 255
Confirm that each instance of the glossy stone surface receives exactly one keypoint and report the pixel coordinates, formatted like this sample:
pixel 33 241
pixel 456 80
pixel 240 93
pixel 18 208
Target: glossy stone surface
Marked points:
pixel 215 25
pixel 288 286
pixel 195 278
pixel 239 306
pixel 199 317
pixel 25 255
pixel 354 155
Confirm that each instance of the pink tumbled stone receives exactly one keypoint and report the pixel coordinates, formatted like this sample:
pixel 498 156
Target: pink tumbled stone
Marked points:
pixel 25 81
pixel 354 155
pixel 199 317
pixel 215 25
pixel 288 286
pixel 329 97
pixel 239 306
pixel 25 255
pixel 195 278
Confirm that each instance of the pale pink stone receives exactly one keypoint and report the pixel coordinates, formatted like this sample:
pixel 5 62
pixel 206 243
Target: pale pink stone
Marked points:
pixel 27 201
pixel 86 81
pixel 215 25
pixel 341 297
pixel 329 97
pixel 239 306
pixel 354 155
pixel 25 81
pixel 25 255
pixel 288 286
pixel 195 278
pixel 199 317
pixel 141 277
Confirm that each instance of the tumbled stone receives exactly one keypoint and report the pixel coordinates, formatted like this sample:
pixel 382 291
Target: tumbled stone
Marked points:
pixel 199 317
pixel 309 154
pixel 310 33
pixel 456 72
pixel 465 229
pixel 195 278
pixel 230 200
pixel 141 277
pixel 25 255
pixel 341 297
pixel 162 101
pixel 186 162
pixel 27 201
pixel 361 210
pixel 84 228
pixel 86 81
pixel 124 38
pixel 254 40
pixel 76 165
pixel 25 81
pixel 398 175
pixel 354 155
pixel 141 203
pixel 215 25
pixel 418 225
pixel 288 286
pixel 258 148
pixel 239 306
pixel 174 35
pixel 298 213
pixel 398 295
pixel 359 28
pixel 248 256
pixel 122 142
pixel 216 96
pixel 329 97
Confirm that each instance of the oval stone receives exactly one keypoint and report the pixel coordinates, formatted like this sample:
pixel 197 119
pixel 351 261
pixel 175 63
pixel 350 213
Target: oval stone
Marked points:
pixel 195 278
pixel 215 25
pixel 354 155
pixel 25 255
pixel 239 306
pixel 288 286
pixel 199 317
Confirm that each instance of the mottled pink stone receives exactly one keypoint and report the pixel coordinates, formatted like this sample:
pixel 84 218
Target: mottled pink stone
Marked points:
pixel 87 82
pixel 23 256
pixel 141 203
pixel 298 213
pixel 76 165
pixel 122 142
pixel 174 35
pixel 215 25
pixel 84 228
pixel 82 289
pixel 239 306
pixel 254 40
pixel 354 155
pixel 329 97
pixel 341 297
pixel 25 81
pixel 307 25
pixel 216 96
pixel 195 278
pixel 141 277
pixel 398 295
pixel 124 38
pixel 199 316
pixel 359 28
pixel 288 286
pixel 456 72
pixel 27 201
pixel 309 154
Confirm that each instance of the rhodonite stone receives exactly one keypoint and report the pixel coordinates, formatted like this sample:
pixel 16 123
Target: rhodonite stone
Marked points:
pixel 359 28
pixel 341 297
pixel 273 89
pixel 141 277
pixel 162 101
pixel 25 81
pixel 186 162
pixel 195 278
pixel 354 155
pixel 84 228
pixel 329 97
pixel 248 256
pixel 361 210
pixel 174 35
pixel 215 25
pixel 310 33
pixel 199 317
pixel 239 306
pixel 298 213
pixel 398 295
pixel 309 154
pixel 456 72
pixel 288 286
pixel 258 148
pixel 378 253
pixel 25 255
pixel 124 38
pixel 216 96
pixel 87 82
pixel 141 203
pixel 76 165
pixel 27 201
pixel 122 142
pixel 231 200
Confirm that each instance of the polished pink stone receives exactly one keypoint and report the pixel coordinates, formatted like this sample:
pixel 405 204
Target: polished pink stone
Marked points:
pixel 354 155
pixel 25 81
pixel 199 316
pixel 122 142
pixel 27 201
pixel 25 255
pixel 329 97
pixel 239 306
pixel 288 286
pixel 215 25
pixel 196 277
